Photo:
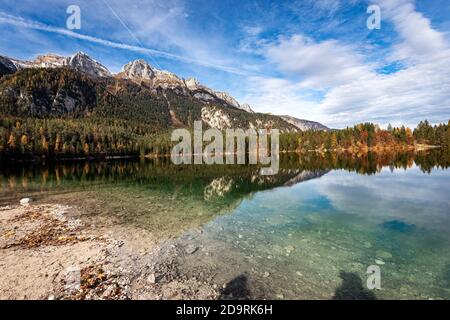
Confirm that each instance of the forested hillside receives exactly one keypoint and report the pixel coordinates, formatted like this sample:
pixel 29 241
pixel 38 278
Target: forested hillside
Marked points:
pixel 60 112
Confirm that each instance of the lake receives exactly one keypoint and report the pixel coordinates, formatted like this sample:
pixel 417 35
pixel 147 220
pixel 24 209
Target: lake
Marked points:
pixel 310 232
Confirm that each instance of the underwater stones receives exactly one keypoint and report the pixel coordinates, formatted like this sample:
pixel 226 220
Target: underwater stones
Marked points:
pixel 191 249
pixel 399 226
pixel 357 266
pixel 289 249
pixel 379 262
pixel 383 254
pixel 266 274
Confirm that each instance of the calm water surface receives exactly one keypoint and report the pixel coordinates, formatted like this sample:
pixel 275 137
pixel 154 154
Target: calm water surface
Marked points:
pixel 310 232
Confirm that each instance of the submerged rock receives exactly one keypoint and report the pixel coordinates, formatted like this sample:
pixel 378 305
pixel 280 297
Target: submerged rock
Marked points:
pixel 289 249
pixel 191 249
pixel 383 254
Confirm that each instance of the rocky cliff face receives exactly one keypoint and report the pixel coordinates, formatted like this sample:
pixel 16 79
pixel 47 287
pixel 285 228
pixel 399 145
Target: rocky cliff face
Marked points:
pixel 79 61
pixel 305 125
pixel 47 93
pixel 85 64
pixel 246 107
pixel 49 61
pixel 140 71
pixel 6 66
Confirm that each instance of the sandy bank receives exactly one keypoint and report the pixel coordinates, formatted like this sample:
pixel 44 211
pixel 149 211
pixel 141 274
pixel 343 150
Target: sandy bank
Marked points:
pixel 46 252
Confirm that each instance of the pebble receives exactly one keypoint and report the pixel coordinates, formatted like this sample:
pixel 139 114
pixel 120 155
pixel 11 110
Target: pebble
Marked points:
pixel 266 274
pixel 151 279
pixel 379 262
pixel 384 254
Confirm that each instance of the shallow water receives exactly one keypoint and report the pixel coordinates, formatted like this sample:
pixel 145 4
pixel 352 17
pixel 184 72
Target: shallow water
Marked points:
pixel 311 232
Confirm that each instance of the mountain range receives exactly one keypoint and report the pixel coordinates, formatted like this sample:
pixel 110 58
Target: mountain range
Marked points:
pixel 53 85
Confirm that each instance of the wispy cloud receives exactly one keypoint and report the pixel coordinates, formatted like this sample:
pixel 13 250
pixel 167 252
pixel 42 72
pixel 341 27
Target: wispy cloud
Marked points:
pixel 25 23
pixel 320 64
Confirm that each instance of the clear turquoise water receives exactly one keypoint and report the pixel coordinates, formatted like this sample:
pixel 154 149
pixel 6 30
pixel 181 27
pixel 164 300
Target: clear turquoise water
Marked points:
pixel 309 233
pixel 317 238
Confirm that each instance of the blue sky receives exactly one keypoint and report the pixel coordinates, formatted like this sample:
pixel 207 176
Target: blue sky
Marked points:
pixel 313 59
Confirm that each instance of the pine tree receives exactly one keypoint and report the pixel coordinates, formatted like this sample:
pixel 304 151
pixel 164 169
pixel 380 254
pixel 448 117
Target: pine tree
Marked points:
pixel 389 127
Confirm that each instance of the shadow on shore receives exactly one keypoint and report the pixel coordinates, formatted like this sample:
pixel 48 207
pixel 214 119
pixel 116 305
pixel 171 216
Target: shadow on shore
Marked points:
pixel 236 289
pixel 352 288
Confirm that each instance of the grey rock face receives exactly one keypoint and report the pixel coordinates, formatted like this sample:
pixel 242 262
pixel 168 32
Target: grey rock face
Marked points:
pixel 305 125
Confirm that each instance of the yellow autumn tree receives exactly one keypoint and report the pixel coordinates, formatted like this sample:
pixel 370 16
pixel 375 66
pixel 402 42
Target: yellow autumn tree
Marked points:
pixel 44 144
pixel 58 143
pixel 12 141
pixel 334 142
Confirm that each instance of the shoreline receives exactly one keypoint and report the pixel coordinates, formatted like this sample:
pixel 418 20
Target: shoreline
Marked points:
pixel 62 258
pixel 353 150
pixel 356 150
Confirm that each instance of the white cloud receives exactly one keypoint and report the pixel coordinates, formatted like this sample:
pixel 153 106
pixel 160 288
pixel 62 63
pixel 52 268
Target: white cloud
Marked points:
pixel 418 39
pixel 319 64
pixel 420 91
pixel 355 91
pixel 280 96
pixel 407 96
